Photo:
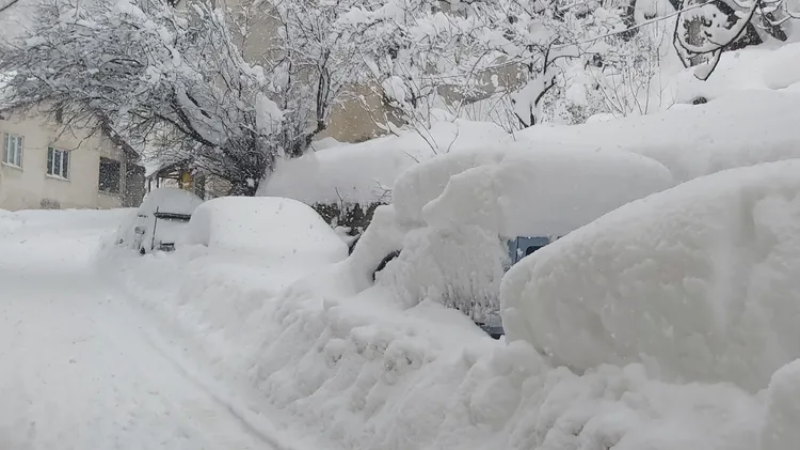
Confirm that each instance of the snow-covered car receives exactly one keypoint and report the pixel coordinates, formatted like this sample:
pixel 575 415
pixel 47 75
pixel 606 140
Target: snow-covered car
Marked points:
pixel 459 221
pixel 161 220
pixel 272 230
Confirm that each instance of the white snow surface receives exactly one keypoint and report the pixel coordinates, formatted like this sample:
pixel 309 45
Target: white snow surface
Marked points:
pixel 697 282
pixel 80 367
pixel 361 371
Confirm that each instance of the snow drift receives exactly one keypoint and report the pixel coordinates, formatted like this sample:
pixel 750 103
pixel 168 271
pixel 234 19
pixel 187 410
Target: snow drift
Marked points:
pixel 363 372
pixel 698 282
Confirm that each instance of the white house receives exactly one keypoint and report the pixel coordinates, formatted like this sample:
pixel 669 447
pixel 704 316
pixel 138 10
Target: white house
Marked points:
pixel 45 166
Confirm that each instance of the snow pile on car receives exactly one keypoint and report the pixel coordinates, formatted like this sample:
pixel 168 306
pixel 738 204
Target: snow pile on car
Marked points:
pixel 541 190
pixel 170 200
pixel 699 282
pixel 272 227
pixel 465 205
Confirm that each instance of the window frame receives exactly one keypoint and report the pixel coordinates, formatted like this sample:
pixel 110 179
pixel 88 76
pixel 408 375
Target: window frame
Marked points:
pixel 63 172
pixel 118 185
pixel 18 149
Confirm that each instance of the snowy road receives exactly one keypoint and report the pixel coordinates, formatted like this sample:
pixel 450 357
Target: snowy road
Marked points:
pixel 78 369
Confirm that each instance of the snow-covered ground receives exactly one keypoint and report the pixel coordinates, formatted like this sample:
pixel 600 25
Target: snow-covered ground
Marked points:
pixel 79 367
pixel 213 347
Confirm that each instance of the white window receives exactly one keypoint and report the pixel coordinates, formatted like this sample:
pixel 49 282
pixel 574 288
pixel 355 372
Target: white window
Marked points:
pixel 12 150
pixel 58 163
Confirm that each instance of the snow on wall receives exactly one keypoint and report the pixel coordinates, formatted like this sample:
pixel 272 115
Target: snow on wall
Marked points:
pixel 362 173
pixel 699 282
pixel 736 130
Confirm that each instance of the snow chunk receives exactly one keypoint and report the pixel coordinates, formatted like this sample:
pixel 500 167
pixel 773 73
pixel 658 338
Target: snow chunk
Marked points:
pixel 268 115
pixel 698 281
pixel 277 228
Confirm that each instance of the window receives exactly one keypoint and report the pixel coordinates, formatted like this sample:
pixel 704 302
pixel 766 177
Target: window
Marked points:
pixel 12 150
pixel 109 175
pixel 532 249
pixel 58 163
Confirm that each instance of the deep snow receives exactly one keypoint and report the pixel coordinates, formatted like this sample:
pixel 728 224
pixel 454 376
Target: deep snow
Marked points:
pixel 79 367
pixel 358 369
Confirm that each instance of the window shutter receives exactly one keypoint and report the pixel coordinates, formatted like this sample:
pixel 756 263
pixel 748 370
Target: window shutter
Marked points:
pixel 50 158
pixel 6 154
pixel 65 164
pixel 19 151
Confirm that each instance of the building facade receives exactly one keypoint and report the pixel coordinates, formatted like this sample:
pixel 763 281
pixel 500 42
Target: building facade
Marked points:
pixel 43 166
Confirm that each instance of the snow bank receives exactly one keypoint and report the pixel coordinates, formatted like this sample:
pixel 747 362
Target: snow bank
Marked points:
pixel 276 228
pixel 47 239
pixel 783 411
pixel 698 281
pixel 365 173
pixel 737 130
pixel 362 372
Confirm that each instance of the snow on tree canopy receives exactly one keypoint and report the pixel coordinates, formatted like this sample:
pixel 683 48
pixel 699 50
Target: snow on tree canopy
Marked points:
pixel 698 281
pixel 521 191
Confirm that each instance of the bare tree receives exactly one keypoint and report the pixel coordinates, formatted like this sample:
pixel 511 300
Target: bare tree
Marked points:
pixel 705 29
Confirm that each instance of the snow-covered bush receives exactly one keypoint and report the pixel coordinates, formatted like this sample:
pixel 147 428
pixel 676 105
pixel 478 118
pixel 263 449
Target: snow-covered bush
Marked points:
pixel 698 282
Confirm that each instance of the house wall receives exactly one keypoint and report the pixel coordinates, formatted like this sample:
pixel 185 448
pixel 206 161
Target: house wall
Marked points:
pixel 30 187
